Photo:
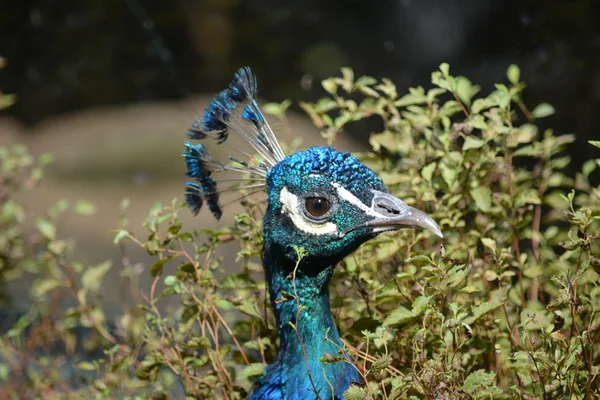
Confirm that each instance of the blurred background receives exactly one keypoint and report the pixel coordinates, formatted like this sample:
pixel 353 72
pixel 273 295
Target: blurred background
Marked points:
pixel 110 86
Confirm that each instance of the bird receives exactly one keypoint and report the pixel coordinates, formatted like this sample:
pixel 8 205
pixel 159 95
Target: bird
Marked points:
pixel 321 200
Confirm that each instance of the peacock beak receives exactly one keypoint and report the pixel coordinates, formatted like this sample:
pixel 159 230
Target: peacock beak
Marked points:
pixel 392 213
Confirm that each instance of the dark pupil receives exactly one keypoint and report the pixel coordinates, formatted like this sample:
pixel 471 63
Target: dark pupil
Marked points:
pixel 317 206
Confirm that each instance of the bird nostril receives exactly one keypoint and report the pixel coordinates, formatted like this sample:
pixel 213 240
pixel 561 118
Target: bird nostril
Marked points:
pixel 389 209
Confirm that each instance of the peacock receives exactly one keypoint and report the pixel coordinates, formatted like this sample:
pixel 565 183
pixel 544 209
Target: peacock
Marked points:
pixel 321 200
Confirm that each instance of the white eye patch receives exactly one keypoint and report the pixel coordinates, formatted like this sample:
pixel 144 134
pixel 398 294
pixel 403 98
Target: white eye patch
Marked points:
pixel 290 205
pixel 346 195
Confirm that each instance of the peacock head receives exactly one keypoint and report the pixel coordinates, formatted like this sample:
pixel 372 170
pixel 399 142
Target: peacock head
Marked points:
pixel 329 203
pixel 320 199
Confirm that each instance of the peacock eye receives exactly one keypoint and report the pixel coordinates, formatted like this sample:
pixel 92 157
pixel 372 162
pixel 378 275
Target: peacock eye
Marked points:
pixel 317 206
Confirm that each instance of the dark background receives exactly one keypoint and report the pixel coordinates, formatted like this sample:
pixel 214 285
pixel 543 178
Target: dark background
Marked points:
pixel 72 54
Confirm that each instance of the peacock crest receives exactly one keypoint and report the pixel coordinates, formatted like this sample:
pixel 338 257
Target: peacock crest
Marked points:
pixel 236 110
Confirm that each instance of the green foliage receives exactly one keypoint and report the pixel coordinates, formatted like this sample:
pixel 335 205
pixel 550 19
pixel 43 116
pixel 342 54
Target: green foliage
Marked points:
pixel 504 307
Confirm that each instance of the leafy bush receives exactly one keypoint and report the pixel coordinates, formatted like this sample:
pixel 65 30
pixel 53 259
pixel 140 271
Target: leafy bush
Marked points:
pixel 504 307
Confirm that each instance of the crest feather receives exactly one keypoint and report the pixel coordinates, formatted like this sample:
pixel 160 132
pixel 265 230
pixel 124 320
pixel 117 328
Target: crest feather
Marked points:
pixel 199 167
pixel 235 109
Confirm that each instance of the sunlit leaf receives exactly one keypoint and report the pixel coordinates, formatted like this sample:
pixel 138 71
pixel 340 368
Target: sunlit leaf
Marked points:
pixel 543 110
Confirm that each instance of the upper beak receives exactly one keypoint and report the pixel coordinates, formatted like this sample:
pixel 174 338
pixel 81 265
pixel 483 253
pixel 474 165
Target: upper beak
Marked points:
pixel 392 213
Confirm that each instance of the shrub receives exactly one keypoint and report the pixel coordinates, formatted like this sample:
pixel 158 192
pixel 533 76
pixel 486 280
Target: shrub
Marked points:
pixel 504 307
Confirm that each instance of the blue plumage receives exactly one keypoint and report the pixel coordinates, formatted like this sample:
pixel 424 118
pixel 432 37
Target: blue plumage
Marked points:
pixel 321 200
pixel 244 85
pixel 216 114
pixel 196 159
pixel 340 167
pixel 199 167
pixel 288 378
pixel 219 112
pixel 193 197
pixel 195 131
pixel 252 113
pixel 236 109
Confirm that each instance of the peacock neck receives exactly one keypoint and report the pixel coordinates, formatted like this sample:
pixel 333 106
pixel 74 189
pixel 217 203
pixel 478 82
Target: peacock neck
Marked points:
pixel 301 305
pixel 306 328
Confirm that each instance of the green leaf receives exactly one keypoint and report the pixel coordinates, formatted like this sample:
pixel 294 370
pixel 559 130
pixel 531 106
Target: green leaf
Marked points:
pixel 381 363
pixel 121 234
pixel 420 304
pixel 94 317
pixel 85 208
pixel 186 237
pixel 392 178
pixel 482 104
pixel 329 85
pixel 157 267
pixel 386 139
pixel 449 175
pixel 410 99
pixel 171 280
pixel 92 277
pixel 478 380
pixel 46 159
pixel 427 171
pixel 366 81
pixel 489 243
pixel 7 100
pixel 198 342
pixel 523 134
pixel 588 167
pixel 41 287
pixel 472 143
pixel 465 90
pixel 469 289
pixel 445 68
pixel 253 370
pixel 513 73
pixel 490 275
pixel 478 122
pixel 483 309
pixel 86 366
pixel 356 392
pixel 249 306
pixel 594 143
pixel 277 109
pixel 399 316
pixel 420 260
pixel 543 110
pixel 347 80
pixel 5 372
pixel 367 91
pixel 58 247
pixel 46 228
pixel 482 197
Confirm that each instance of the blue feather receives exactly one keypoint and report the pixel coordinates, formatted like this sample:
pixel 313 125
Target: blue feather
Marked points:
pixel 195 131
pixel 217 113
pixel 236 108
pixel 244 86
pixel 209 188
pixel 193 197
pixel 196 159
pixel 253 114
pixel 198 163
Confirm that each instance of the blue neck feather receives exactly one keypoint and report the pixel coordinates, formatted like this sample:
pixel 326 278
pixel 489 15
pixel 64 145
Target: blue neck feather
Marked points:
pixel 288 378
